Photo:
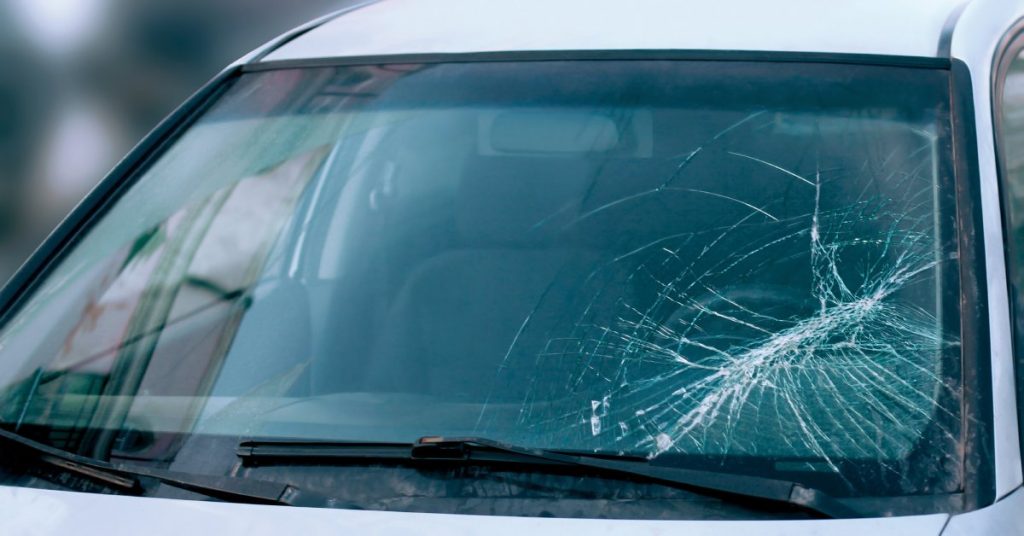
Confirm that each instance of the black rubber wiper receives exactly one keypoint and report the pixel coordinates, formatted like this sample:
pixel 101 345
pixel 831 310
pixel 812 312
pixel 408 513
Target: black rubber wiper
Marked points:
pixel 133 480
pixel 478 449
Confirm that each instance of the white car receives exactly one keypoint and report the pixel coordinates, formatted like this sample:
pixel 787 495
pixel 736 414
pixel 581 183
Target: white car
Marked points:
pixel 547 267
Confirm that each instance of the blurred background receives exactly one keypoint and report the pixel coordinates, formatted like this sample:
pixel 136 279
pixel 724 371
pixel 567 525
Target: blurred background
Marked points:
pixel 81 81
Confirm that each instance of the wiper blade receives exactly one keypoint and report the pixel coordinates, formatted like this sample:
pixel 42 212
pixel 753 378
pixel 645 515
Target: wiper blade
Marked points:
pixel 129 479
pixel 481 449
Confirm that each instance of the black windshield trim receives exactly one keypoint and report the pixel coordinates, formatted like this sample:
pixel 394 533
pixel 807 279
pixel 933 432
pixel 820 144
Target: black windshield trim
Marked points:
pixel 920 62
pixel 976 354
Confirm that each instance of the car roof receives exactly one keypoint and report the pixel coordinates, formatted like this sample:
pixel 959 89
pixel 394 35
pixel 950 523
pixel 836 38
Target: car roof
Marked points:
pixel 403 27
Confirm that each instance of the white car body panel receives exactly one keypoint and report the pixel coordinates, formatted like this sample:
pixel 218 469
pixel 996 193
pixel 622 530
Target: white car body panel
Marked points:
pixel 977 34
pixel 44 513
pixel 399 27
pixel 1001 519
pixel 909 27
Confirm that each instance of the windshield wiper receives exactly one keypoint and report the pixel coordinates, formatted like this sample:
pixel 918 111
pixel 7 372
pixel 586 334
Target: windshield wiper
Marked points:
pixel 478 449
pixel 130 479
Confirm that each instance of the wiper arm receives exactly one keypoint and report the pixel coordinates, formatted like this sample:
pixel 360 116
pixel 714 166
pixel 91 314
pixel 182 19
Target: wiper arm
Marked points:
pixel 129 479
pixel 487 450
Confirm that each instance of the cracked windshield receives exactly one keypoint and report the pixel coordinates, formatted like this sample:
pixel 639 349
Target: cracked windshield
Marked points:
pixel 742 266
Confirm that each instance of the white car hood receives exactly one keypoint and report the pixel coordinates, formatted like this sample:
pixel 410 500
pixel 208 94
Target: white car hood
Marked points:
pixel 26 511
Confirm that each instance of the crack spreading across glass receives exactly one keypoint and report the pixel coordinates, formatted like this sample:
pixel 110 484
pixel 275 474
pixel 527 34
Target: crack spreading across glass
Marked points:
pixel 727 357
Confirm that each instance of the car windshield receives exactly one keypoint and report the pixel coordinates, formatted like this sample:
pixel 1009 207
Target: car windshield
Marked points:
pixel 741 266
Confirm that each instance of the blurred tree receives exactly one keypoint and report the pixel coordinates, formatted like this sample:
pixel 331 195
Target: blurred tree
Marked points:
pixel 26 89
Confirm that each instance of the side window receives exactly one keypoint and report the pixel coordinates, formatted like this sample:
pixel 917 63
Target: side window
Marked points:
pixel 1008 102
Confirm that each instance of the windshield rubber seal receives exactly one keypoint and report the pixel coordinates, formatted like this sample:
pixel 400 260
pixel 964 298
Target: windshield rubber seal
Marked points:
pixel 920 62
pixel 979 454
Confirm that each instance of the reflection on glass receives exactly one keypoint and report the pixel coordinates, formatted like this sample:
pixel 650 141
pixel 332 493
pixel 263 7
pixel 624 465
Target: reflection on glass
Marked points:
pixel 719 263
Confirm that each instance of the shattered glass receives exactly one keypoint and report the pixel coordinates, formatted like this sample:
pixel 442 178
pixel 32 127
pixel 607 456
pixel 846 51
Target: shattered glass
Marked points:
pixel 804 325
